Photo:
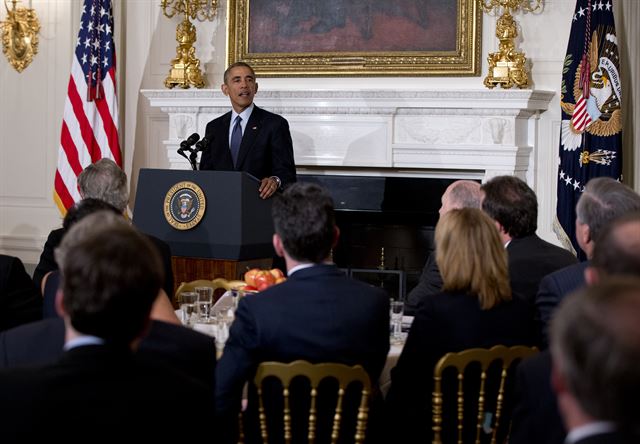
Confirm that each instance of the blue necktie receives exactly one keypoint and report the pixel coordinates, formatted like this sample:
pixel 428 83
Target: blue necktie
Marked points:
pixel 236 138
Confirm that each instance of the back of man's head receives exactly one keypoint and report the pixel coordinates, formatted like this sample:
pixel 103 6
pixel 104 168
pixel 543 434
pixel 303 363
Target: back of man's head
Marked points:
pixel 106 181
pixel 303 217
pixel 513 204
pixel 595 342
pixel 617 251
pixel 85 207
pixel 603 200
pixel 111 274
pixel 461 194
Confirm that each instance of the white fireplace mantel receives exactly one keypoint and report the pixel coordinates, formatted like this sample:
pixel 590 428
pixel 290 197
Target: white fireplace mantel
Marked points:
pixel 453 133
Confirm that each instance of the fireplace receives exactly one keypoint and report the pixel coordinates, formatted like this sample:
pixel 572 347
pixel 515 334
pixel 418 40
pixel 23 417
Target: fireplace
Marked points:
pixel 386 226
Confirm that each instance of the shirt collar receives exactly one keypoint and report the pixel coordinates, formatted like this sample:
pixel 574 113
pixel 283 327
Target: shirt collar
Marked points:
pixel 306 265
pixel 590 429
pixel 81 341
pixel 245 114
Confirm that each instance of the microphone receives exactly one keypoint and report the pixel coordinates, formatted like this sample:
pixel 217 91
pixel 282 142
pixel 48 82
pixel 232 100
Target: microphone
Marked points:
pixel 200 146
pixel 185 145
pixel 193 138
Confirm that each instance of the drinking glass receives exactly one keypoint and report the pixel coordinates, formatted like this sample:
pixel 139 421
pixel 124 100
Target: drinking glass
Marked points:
pixel 188 300
pixel 397 311
pixel 205 299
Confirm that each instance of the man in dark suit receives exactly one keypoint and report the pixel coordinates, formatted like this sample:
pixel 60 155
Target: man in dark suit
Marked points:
pixel 514 206
pixel 20 302
pixel 248 138
pixel 318 314
pixel 105 181
pixel 535 417
pixel 460 194
pixel 111 275
pixel 603 200
pixel 595 345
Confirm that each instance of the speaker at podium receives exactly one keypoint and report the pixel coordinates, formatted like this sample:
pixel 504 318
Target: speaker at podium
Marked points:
pixel 215 222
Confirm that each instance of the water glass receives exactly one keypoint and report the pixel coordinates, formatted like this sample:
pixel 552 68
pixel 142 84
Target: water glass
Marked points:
pixel 397 311
pixel 205 300
pixel 188 301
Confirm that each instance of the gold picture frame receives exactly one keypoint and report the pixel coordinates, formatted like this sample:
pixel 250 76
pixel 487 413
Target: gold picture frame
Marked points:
pixel 287 38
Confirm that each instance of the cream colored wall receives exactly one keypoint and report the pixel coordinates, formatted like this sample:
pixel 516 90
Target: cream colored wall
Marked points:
pixel 31 103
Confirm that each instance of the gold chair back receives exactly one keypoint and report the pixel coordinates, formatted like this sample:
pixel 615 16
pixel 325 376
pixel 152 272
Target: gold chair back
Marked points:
pixel 460 361
pixel 315 373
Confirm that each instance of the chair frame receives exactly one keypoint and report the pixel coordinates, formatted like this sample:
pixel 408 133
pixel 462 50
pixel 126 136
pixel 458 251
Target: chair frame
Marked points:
pixel 460 361
pixel 315 373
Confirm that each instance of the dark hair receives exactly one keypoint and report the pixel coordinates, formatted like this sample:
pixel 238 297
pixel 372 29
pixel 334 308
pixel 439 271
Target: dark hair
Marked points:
pixel 595 341
pixel 235 65
pixel 509 201
pixel 603 200
pixel 617 251
pixel 85 207
pixel 111 276
pixel 303 217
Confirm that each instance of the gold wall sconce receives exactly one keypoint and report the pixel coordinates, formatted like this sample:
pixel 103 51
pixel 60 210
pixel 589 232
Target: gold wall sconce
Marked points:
pixel 507 67
pixel 20 35
pixel 185 68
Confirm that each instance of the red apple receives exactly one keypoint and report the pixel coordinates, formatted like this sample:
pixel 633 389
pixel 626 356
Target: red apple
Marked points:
pixel 249 276
pixel 277 273
pixel 263 280
pixel 249 288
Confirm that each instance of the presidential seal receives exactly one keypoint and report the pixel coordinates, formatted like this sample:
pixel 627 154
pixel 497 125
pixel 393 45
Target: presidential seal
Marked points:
pixel 184 205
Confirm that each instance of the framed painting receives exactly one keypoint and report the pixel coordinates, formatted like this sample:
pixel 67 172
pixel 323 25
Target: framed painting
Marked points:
pixel 356 37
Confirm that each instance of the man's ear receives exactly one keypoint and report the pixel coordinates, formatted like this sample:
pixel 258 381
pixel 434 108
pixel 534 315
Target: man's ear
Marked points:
pixel 591 275
pixel 277 245
pixel 336 236
pixel 225 89
pixel 256 88
pixel 558 383
pixel 59 305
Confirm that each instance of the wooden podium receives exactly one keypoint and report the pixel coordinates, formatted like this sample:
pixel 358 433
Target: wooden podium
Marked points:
pixel 214 221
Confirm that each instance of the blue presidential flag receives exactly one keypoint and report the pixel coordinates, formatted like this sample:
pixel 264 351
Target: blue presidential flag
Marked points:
pixel 591 96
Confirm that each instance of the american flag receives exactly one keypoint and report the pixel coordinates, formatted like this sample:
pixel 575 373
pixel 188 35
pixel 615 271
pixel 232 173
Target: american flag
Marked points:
pixel 90 123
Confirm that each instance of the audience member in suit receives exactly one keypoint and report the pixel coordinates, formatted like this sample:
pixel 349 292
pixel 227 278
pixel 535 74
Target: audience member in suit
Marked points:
pixel 603 200
pixel 595 344
pixel 103 180
pixel 460 194
pixel 514 207
pixel 318 314
pixel 111 275
pixel 42 342
pixel 266 149
pixel 20 302
pixel 536 418
pixel 474 309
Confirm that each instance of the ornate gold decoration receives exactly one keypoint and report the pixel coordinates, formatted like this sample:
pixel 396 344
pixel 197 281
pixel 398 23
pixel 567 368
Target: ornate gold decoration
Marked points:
pixel 184 205
pixel 20 35
pixel 507 67
pixel 464 60
pixel 185 68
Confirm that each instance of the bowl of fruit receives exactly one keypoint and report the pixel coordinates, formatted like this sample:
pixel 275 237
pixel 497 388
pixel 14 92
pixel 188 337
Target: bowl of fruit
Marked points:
pixel 258 280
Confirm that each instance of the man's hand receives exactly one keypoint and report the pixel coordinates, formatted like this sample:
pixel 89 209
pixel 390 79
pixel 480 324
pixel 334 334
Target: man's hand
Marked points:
pixel 268 186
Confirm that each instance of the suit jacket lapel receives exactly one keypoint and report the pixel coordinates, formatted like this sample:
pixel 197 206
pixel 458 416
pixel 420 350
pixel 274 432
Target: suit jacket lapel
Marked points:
pixel 249 137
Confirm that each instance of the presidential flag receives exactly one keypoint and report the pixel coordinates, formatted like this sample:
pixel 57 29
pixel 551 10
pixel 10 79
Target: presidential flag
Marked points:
pixel 591 96
pixel 90 122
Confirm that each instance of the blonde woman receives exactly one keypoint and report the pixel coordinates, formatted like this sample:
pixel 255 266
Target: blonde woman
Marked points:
pixel 474 309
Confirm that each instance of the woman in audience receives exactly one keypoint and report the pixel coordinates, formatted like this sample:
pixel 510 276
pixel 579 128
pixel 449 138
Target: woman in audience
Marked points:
pixel 474 309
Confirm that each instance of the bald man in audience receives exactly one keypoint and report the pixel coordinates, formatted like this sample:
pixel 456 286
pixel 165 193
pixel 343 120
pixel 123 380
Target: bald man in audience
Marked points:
pixel 459 194
pixel 513 205
pixel 535 418
pixel 595 344
pixel 603 200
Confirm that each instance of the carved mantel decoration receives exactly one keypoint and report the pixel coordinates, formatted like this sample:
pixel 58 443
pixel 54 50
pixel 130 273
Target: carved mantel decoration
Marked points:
pixel 507 67
pixel 20 35
pixel 185 68
pixel 453 133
